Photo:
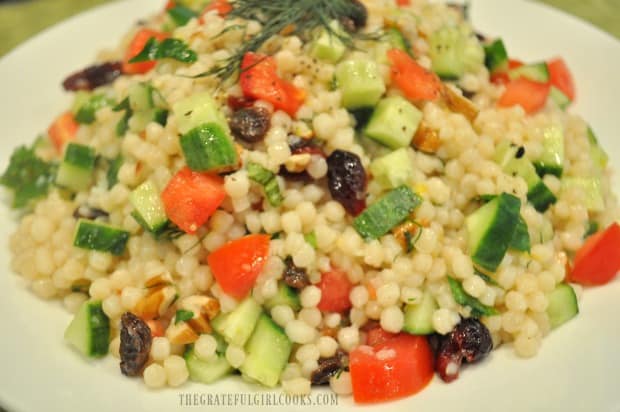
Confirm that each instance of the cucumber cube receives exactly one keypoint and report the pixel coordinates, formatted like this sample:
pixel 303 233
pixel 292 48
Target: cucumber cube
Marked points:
pixel 237 326
pixel 89 331
pixel 562 305
pixel 328 46
pixel 76 169
pixel 360 82
pixel 393 169
pixel 394 122
pixel 98 236
pixel 149 207
pixel 591 188
pixel 551 160
pixel 207 371
pixel 207 148
pixel 196 110
pixel 559 98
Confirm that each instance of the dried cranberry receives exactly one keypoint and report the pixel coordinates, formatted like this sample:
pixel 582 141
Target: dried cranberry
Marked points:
pixel 93 76
pixel 250 124
pixel 347 180
pixel 470 340
pixel 356 18
pixel 329 367
pixel 237 103
pixel 300 146
pixel 135 344
pixel 293 276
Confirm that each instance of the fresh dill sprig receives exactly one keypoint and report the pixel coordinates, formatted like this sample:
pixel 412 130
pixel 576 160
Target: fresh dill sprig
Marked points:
pixel 293 17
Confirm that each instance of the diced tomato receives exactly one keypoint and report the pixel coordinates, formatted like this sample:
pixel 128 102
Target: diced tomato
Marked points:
pixel 378 335
pixel 561 77
pixel 398 367
pixel 259 80
pixel 135 47
pixel 529 94
pixel 222 7
pixel 403 2
pixel 237 264
pixel 415 81
pixel 170 5
pixel 190 198
pixel 335 289
pixel 62 130
pixel 236 103
pixel 598 260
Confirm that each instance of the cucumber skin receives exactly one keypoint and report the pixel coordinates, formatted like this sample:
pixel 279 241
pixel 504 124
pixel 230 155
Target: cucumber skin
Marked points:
pixel 492 246
pixel 521 238
pixel 236 327
pixel 541 197
pixel 563 305
pixel 207 148
pixel 88 235
pixel 206 371
pixel 394 122
pixel 286 296
pixel 93 342
pixel 419 317
pixel 360 82
pixel 147 202
pixel 495 56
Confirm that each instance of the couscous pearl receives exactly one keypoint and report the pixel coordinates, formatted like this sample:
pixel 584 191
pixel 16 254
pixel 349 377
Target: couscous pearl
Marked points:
pixel 160 348
pixel 307 352
pixel 176 370
pixel 311 316
pixel 444 320
pixel 74 300
pixel 388 294
pixel 205 347
pixel 291 371
pixel 358 296
pixel 348 337
pixel 341 383
pixel 310 296
pixel 296 386
pixel 392 319
pixel 235 356
pixel 308 367
pixel 282 314
pixel 130 297
pixel 327 346
pixel 332 320
pixel 155 376
pixel 300 332
pixel 100 289
pixel 114 347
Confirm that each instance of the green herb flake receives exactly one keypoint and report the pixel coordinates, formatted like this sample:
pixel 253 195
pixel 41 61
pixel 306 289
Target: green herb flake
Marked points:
pixel 28 176
pixel 310 238
pixel 268 181
pixel 461 297
pixel 183 315
pixel 181 15
pixel 169 48
pixel 123 125
pixel 114 166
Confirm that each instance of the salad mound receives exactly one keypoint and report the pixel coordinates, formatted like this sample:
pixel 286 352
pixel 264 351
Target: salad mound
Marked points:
pixel 360 194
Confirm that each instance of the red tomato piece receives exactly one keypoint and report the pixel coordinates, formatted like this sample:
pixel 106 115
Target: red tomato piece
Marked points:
pixel 378 335
pixel 561 77
pixel 237 264
pixel 259 80
pixel 135 47
pixel 222 7
pixel 501 77
pixel 415 81
pixel 170 5
pixel 403 2
pixel 598 260
pixel 335 289
pixel 63 130
pixel 190 198
pixel 391 370
pixel 529 94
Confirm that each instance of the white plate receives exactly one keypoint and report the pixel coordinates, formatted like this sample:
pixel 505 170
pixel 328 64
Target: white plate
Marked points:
pixel 576 370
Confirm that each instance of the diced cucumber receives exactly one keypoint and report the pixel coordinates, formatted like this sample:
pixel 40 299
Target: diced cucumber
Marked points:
pixel 597 154
pixel 76 169
pixel 360 82
pixel 286 296
pixel 196 110
pixel 454 50
pixel 591 187
pixel 149 208
pixel 268 180
pixel 521 238
pixel 89 331
pixel 328 46
pixel 386 213
pixel 98 236
pixel 538 72
pixel 86 112
pixel 207 371
pixel 562 305
pixel 146 105
pixel 237 326
pixel 491 229
pixel 551 160
pixel 461 297
pixel 207 148
pixel 419 315
pixel 559 98
pixel 513 161
pixel 495 56
pixel 394 169
pixel 181 15
pixel 267 353
pixel 394 122
pixel 397 40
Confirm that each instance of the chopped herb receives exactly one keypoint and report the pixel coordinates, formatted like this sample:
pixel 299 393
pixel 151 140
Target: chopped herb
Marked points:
pixel 28 176
pixel 591 229
pixel 87 111
pixel 461 297
pixel 123 125
pixel 166 49
pixel 276 235
pixel 169 232
pixel 310 238
pixel 80 286
pixel 114 166
pixel 488 279
pixel 181 15
pixel 183 315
